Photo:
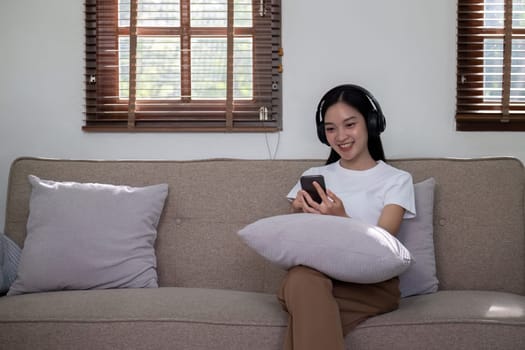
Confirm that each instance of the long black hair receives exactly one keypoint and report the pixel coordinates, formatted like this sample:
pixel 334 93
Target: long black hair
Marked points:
pixel 358 99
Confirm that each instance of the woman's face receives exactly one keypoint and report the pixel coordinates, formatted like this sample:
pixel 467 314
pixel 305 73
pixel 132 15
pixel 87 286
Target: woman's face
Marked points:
pixel 347 134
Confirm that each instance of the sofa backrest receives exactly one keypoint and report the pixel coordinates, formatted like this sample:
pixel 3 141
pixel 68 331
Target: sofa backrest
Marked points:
pixel 479 227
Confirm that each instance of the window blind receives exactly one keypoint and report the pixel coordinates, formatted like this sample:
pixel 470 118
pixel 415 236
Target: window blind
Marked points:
pixel 183 65
pixel 490 65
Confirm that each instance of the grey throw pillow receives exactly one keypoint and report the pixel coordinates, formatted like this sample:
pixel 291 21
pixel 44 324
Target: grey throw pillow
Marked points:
pixel 89 236
pixel 417 235
pixel 9 258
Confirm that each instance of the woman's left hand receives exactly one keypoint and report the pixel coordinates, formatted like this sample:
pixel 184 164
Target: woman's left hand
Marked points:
pixel 330 203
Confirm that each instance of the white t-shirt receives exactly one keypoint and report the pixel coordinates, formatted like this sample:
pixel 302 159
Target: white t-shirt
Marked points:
pixel 366 192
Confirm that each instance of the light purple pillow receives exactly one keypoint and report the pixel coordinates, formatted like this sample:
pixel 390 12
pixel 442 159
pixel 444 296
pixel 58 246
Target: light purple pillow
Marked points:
pixel 417 235
pixel 346 249
pixel 89 236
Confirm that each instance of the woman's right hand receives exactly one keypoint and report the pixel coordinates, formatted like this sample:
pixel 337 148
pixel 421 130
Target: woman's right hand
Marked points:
pixel 299 204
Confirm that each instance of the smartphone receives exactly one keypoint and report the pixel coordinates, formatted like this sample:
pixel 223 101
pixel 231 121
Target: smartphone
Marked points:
pixel 308 186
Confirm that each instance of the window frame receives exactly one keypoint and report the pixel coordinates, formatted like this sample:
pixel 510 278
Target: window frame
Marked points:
pixel 106 112
pixel 473 111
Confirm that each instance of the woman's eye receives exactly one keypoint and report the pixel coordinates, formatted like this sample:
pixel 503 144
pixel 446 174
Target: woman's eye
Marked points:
pixel 350 125
pixel 329 129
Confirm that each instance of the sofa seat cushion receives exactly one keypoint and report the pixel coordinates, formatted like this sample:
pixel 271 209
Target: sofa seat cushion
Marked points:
pixel 226 319
pixel 142 319
pixel 447 319
pixel 218 306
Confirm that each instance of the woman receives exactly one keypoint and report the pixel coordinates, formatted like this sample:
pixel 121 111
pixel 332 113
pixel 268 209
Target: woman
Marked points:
pixel 360 185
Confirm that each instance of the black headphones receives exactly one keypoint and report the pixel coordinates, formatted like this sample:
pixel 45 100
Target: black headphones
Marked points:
pixel 375 120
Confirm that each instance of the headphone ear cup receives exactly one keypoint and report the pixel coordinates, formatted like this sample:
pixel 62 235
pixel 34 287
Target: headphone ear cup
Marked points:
pixel 372 123
pixel 321 134
pixel 375 123
pixel 381 123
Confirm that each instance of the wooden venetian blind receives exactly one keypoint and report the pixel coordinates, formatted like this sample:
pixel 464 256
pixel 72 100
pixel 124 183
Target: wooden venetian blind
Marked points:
pixel 183 65
pixel 491 65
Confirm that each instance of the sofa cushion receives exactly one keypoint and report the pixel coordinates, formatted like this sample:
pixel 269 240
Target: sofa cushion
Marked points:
pixel 447 320
pixel 146 318
pixel 89 235
pixel 417 235
pixel 199 318
pixel 346 249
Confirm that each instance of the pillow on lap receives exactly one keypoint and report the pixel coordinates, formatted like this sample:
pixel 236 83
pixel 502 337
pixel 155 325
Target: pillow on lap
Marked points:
pixel 88 235
pixel 343 248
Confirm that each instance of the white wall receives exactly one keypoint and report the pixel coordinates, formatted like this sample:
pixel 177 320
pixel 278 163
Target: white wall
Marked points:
pixel 404 53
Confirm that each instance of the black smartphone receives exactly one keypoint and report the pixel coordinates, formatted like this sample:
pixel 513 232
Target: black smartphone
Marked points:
pixel 308 186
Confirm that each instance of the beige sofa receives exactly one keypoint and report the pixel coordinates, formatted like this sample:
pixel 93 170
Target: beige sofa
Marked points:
pixel 216 293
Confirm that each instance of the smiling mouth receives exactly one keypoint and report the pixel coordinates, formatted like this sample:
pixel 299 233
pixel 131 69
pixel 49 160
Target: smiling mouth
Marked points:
pixel 345 146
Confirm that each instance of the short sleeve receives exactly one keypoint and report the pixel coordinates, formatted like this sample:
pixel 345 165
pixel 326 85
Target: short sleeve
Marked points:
pixel 401 192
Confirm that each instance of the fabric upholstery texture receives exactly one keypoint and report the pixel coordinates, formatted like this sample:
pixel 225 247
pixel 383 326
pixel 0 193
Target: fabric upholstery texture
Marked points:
pixel 147 318
pixel 194 318
pixel 447 319
pixel 89 235
pixel 346 249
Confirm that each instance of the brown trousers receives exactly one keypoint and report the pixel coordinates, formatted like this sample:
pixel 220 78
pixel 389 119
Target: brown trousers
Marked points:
pixel 322 310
